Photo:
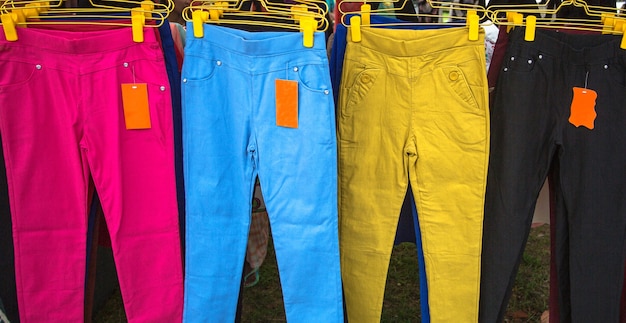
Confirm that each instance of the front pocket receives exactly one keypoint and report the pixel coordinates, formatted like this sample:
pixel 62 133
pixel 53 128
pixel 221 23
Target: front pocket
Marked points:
pixel 456 81
pixel 361 86
pixel 16 74
pixel 315 99
pixel 197 70
pixel 524 60
pixel 153 74
pixel 612 70
pixel 313 77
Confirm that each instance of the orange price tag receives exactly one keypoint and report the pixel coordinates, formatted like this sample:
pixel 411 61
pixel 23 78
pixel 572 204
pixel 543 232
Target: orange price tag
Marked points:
pixel 583 108
pixel 287 103
pixel 136 107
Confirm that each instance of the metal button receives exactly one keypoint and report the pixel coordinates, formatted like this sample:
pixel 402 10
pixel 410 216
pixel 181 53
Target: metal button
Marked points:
pixel 506 69
pixel 453 75
pixel 540 56
pixel 219 63
pixel 606 66
pixel 326 92
pixel 295 69
pixel 530 61
pixel 512 58
pixel 125 64
pixel 366 78
pixel 184 80
pixel 38 66
pixel 162 88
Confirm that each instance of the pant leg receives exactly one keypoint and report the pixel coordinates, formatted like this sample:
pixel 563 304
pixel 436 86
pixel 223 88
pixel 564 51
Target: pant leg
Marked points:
pixel 298 174
pixel 522 143
pixel 592 173
pixel 47 187
pixel 133 172
pixel 448 153
pixel 219 180
pixel 373 178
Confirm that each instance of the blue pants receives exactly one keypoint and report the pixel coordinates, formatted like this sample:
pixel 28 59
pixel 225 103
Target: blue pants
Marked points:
pixel 230 137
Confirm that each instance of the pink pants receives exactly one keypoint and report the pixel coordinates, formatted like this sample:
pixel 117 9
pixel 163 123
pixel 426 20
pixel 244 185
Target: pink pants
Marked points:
pixel 62 126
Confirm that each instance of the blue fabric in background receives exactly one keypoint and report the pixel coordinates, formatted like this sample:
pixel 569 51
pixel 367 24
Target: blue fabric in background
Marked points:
pixel 171 65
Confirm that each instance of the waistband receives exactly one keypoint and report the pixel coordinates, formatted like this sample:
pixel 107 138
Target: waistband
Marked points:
pixel 74 41
pixel 575 48
pixel 254 43
pixel 404 42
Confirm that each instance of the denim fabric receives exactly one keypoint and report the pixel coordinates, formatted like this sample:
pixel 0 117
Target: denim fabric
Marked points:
pixel 230 135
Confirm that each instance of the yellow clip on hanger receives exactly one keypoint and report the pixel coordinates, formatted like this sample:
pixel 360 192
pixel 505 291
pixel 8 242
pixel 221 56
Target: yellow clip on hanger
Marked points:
pixel 355 28
pixel 138 20
pixel 8 25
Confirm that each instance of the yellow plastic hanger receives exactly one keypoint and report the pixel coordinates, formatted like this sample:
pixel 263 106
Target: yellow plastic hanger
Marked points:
pixel 16 14
pixel 147 6
pixel 319 6
pixel 305 16
pixel 442 17
pixel 471 18
pixel 606 20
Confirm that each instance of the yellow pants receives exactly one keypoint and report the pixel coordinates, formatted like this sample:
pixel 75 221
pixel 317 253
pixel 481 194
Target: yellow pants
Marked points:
pixel 413 107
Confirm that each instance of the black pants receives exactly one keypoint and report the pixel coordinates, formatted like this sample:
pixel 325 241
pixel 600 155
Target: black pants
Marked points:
pixel 530 132
pixel 8 294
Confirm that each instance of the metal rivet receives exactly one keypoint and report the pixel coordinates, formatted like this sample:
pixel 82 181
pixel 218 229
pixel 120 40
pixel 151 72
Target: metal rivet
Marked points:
pixel 184 80
pixel 219 63
pixel 506 69
pixel 365 78
pixel 162 88
pixel 606 66
pixel 38 66
pixel 453 76
pixel 530 61
pixel 540 56
pixel 512 58
pixel 125 64
pixel 326 92
pixel 295 69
